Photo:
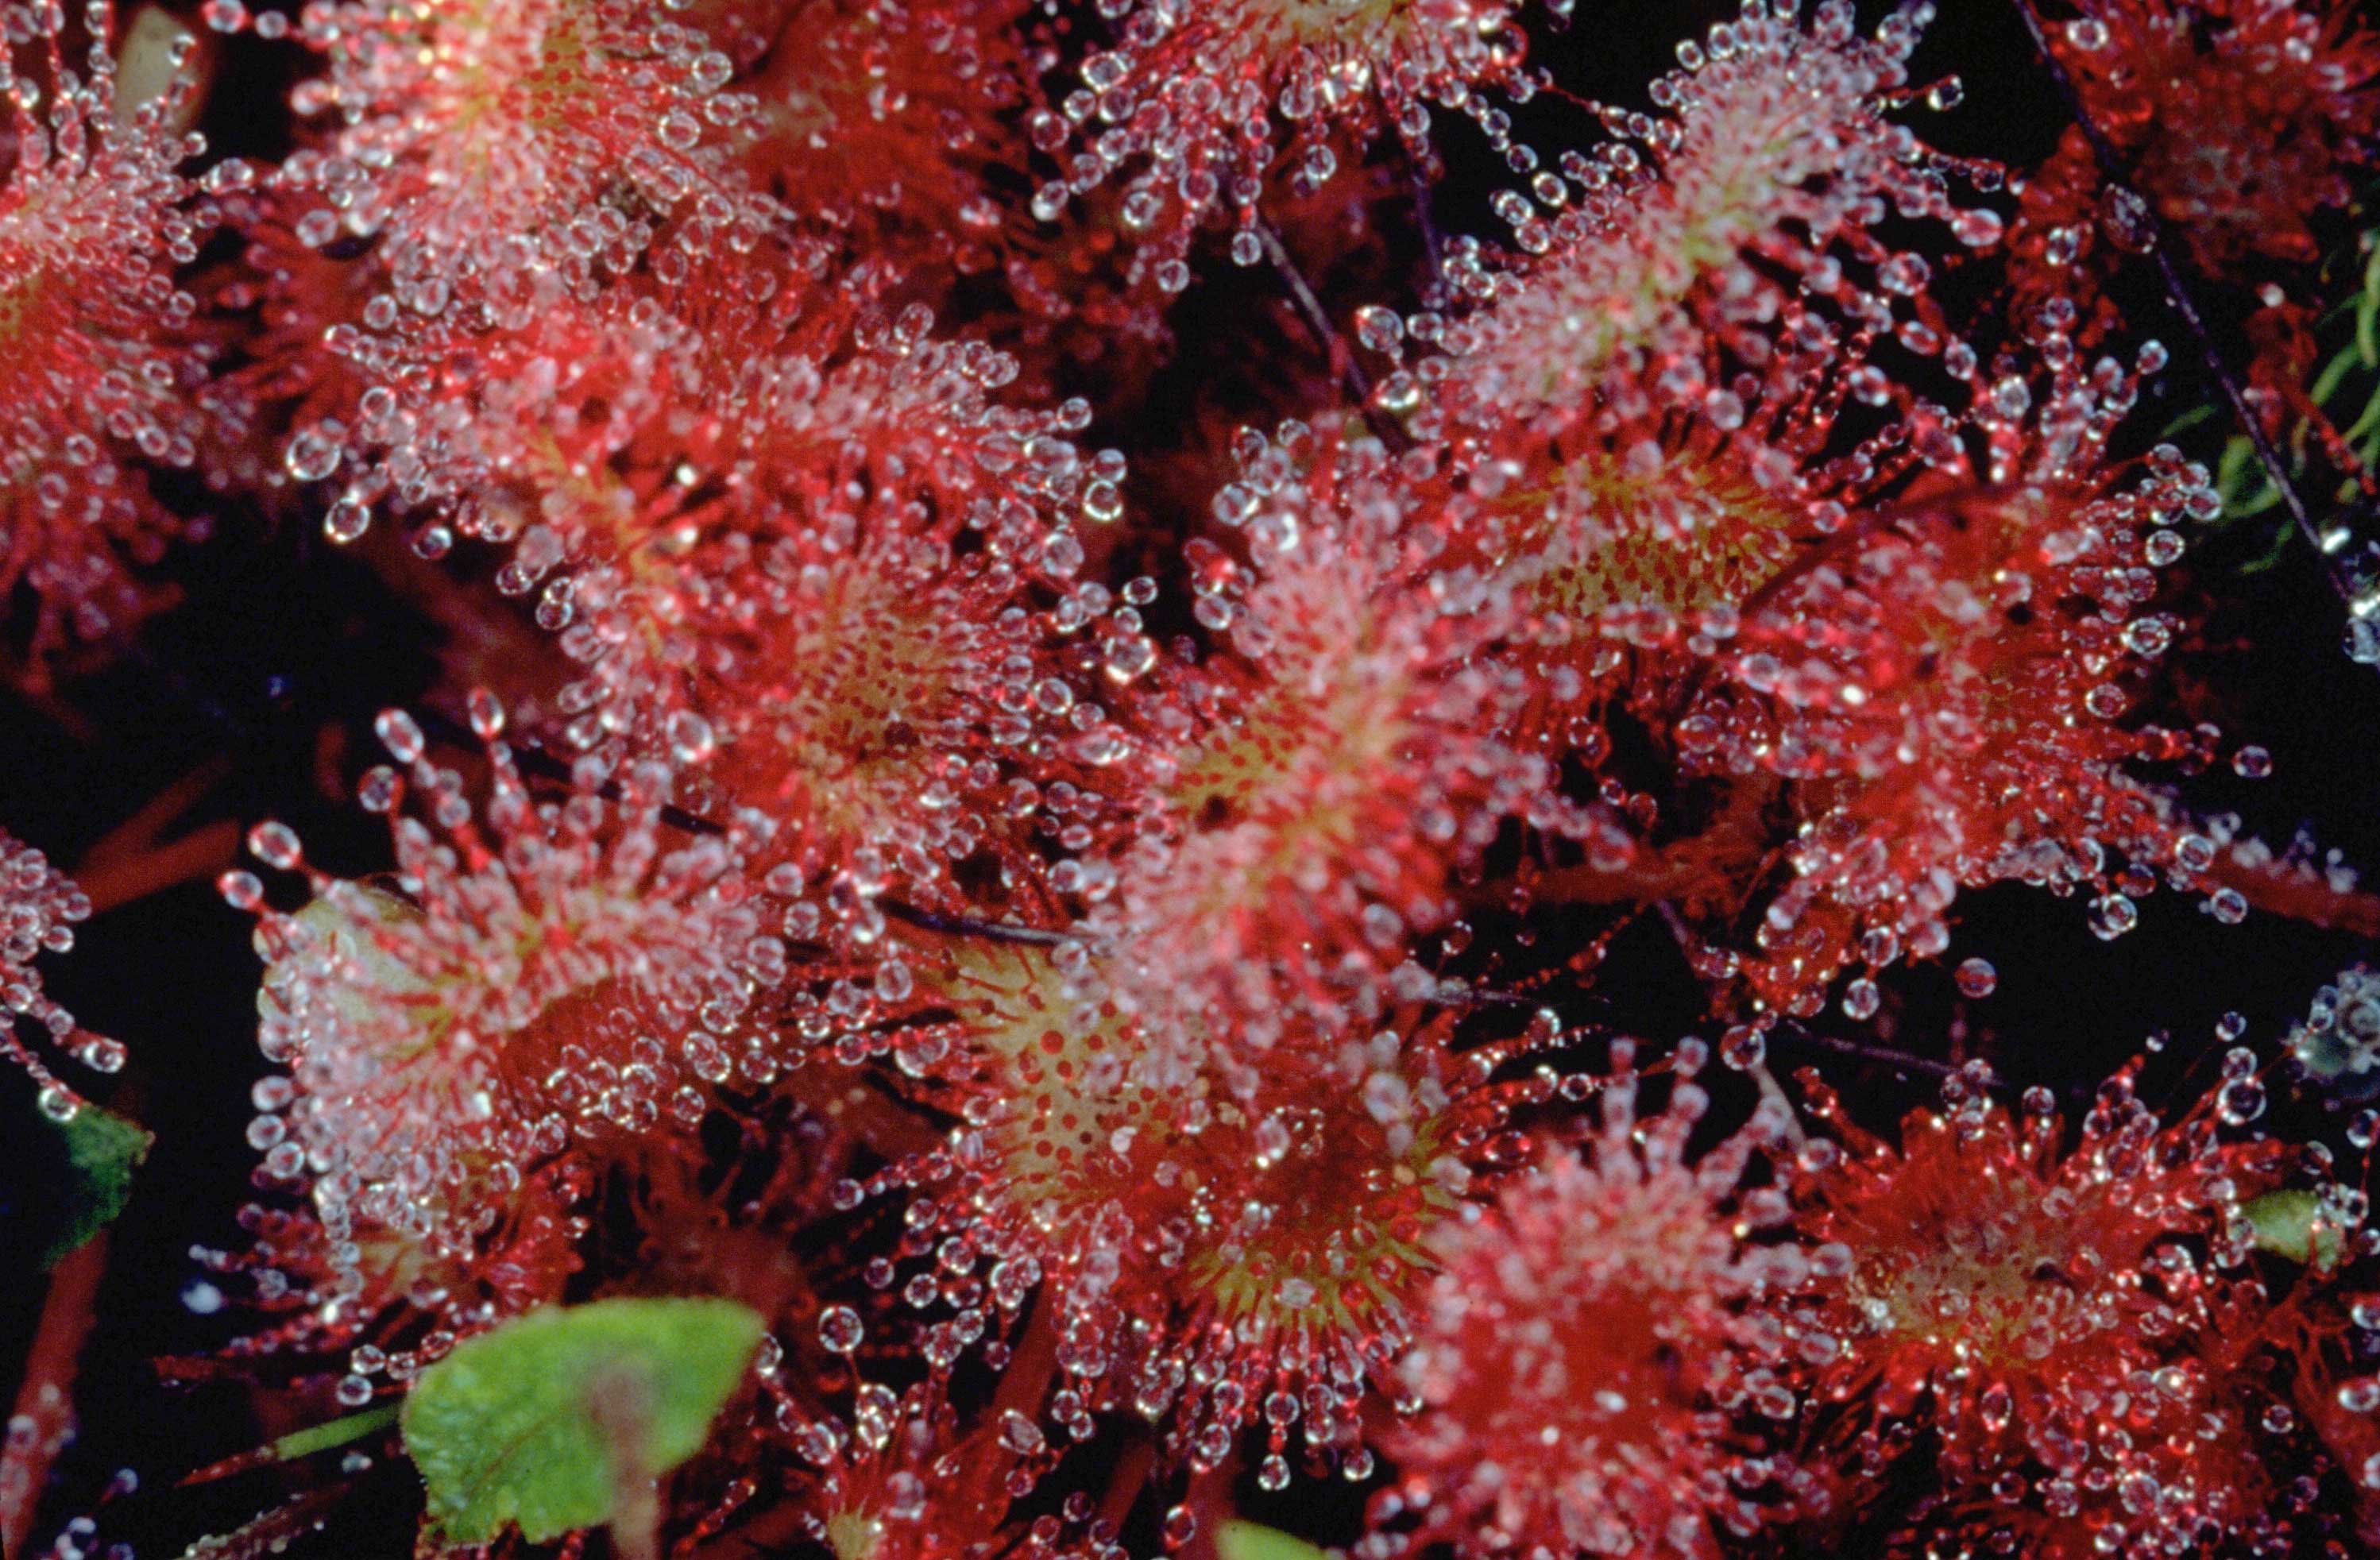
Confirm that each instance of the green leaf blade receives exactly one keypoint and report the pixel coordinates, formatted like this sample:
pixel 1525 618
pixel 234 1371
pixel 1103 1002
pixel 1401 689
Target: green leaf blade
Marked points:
pixel 102 1150
pixel 338 1433
pixel 541 1423
pixel 1238 1539
pixel 2293 1223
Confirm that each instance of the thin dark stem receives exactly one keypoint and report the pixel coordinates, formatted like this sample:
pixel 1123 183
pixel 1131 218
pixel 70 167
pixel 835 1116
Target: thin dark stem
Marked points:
pixel 1432 249
pixel 967 926
pixel 1899 1060
pixel 1484 997
pixel 1300 293
pixel 1334 349
pixel 2114 169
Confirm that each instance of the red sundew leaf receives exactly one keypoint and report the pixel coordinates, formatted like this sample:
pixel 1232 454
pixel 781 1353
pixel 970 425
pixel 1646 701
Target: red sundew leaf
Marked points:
pixel 458 1023
pixel 1222 1233
pixel 489 125
pixel 2242 122
pixel 1334 764
pixel 892 120
pixel 2060 1271
pixel 1772 144
pixel 1565 1356
pixel 96 377
pixel 1256 86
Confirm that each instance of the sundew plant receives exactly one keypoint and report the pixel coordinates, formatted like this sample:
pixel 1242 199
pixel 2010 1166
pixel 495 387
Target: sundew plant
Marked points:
pixel 1189 780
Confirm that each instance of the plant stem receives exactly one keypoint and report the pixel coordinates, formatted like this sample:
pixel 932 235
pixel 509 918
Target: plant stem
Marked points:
pixel 45 1396
pixel 1334 348
pixel 2113 168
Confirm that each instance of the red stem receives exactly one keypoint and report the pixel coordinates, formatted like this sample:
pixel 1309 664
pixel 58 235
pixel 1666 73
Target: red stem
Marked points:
pixel 45 1396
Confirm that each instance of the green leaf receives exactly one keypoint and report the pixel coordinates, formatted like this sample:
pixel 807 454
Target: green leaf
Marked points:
pixel 338 1433
pixel 1237 1540
pixel 2266 498
pixel 2368 421
pixel 2367 314
pixel 102 1150
pixel 2293 1223
pixel 551 1421
pixel 2326 383
pixel 2231 470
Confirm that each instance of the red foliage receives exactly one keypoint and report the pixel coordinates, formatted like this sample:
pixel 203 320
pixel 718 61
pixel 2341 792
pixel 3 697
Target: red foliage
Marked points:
pixel 99 375
pixel 1095 952
pixel 38 909
pixel 2079 1333
pixel 1585 1345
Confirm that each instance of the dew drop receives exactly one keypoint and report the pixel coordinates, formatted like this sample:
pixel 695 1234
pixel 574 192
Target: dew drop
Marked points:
pixel 840 1329
pixel 346 521
pixel 2240 1102
pixel 1743 1047
pixel 311 456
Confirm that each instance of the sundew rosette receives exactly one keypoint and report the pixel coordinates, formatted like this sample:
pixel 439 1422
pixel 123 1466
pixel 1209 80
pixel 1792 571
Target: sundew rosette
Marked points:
pixel 99 378
pixel 1198 111
pixel 533 978
pixel 1217 1245
pixel 2110 1333
pixel 1588 1371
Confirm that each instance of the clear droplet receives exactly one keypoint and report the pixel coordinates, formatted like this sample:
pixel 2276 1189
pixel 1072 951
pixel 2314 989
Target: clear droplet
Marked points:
pixel 840 1329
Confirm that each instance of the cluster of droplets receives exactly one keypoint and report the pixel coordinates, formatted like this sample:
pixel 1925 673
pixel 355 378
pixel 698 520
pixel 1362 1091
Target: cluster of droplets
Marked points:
pixel 2240 117
pixel 556 972
pixel 474 420
pixel 478 142
pixel 1663 248
pixel 99 376
pixel 38 910
pixel 476 161
pixel 2076 1326
pixel 1201 109
pixel 845 587
pixel 1587 1339
pixel 1322 778
pixel 1219 1246
pixel 905 675
pixel 1898 679
pixel 887 120
pixel 899 1476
